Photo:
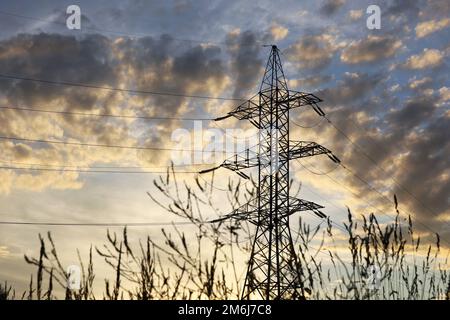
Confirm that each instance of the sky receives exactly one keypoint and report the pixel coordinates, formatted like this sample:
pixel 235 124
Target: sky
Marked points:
pixel 386 92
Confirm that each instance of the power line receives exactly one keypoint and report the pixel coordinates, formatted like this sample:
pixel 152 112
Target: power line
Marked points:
pixel 348 189
pixel 376 164
pixel 107 31
pixel 91 86
pixel 121 33
pixel 318 173
pixel 65 165
pixel 364 181
pixel 385 197
pixel 323 198
pixel 232 136
pixel 337 225
pixel 109 115
pixel 373 189
pixel 318 123
pixel 105 145
pixel 211 184
pixel 88 171
pixel 76 224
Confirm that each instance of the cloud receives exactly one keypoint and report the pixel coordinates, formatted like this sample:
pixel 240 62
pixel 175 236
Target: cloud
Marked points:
pixel 4 252
pixel 373 48
pixel 350 89
pixel 401 137
pixel 425 171
pixel 330 7
pixel 426 28
pixel 437 8
pixel 278 32
pixel 410 8
pixel 444 93
pixel 141 63
pixel 429 58
pixel 309 82
pixel 412 114
pixel 355 14
pixel 419 83
pixel 312 51
pixel 246 65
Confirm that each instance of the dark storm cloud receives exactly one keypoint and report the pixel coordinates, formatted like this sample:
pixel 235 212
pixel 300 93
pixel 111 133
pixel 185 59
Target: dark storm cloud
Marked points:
pixel 425 169
pixel 330 7
pixel 246 64
pixel 160 65
pixel 370 49
pixel 97 60
pixel 410 8
pixel 416 129
pixel 415 112
pixel 57 58
pixel 352 88
pixel 438 8
pixel 197 64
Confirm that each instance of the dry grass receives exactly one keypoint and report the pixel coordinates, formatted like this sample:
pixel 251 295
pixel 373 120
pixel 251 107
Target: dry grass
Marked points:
pixel 180 268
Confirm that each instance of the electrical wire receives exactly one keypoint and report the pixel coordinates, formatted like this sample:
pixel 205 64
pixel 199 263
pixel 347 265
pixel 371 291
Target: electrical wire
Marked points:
pixel 376 164
pixel 90 224
pixel 109 115
pixel 212 185
pixel 355 195
pixel 318 173
pixel 92 167
pixel 232 136
pixel 87 171
pixel 318 123
pixel 219 188
pixel 120 33
pixel 388 199
pixel 105 145
pixel 91 86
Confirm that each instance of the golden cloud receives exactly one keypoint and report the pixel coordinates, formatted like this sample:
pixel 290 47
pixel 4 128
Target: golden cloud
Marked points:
pixel 426 28
pixel 278 32
pixel 429 58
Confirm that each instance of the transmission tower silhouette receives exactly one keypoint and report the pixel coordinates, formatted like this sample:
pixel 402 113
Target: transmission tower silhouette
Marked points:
pixel 274 271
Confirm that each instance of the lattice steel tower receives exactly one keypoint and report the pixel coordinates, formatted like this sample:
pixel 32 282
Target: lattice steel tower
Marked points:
pixel 273 268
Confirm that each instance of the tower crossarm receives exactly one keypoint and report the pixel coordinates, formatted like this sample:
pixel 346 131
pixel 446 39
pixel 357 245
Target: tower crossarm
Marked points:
pixel 250 109
pixel 298 99
pixel 243 160
pixel 249 158
pixel 303 149
pixel 296 205
pixel 248 211
pixel 247 110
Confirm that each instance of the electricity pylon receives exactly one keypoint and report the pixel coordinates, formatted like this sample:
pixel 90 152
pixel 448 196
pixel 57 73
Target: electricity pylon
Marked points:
pixel 273 270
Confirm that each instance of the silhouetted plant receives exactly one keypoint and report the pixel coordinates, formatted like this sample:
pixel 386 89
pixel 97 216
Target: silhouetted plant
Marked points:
pixel 180 268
